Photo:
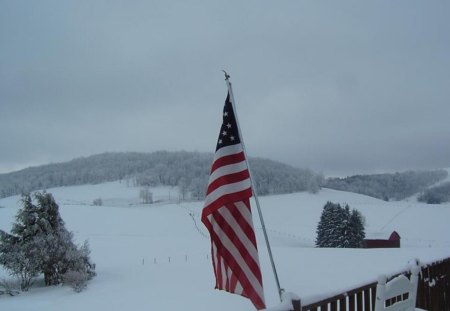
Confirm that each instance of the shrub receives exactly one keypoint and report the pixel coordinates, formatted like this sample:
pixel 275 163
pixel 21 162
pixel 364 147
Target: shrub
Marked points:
pixel 76 279
pixel 8 288
pixel 97 202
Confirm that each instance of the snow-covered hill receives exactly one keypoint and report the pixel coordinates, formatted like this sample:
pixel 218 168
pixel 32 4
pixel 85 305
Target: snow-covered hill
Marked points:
pixel 156 257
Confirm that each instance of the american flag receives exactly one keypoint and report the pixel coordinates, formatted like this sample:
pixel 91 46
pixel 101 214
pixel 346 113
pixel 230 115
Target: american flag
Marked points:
pixel 228 218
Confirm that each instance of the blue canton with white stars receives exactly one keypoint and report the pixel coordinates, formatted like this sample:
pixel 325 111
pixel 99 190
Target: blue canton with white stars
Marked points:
pixel 229 134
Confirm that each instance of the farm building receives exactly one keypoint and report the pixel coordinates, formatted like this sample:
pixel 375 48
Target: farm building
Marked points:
pixel 392 242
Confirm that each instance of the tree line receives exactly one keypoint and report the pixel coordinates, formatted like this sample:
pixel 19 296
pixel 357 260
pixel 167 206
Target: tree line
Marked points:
pixel 396 186
pixel 188 170
pixel 436 195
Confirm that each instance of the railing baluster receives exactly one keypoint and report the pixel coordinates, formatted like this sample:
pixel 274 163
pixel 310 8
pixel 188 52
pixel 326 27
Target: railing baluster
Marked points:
pixel 359 301
pixel 351 302
pixel 334 305
pixel 343 304
pixel 447 284
pixel 367 299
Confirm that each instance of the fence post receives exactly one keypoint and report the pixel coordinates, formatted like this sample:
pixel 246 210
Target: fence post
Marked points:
pixel 446 264
pixel 297 305
pixel 380 297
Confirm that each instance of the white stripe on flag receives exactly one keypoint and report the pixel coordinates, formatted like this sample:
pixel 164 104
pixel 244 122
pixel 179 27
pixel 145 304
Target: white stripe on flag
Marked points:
pixel 245 211
pixel 228 150
pixel 214 254
pixel 227 189
pixel 227 169
pixel 224 273
pixel 239 288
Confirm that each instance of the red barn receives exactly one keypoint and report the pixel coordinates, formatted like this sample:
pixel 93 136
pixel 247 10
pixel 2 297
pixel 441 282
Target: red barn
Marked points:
pixel 392 242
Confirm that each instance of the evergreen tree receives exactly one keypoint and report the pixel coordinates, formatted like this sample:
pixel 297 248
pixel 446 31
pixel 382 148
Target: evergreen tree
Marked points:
pixel 19 258
pixel 40 243
pixel 333 231
pixel 20 252
pixel 326 229
pixel 357 232
pixel 321 227
pixel 343 231
pixel 339 227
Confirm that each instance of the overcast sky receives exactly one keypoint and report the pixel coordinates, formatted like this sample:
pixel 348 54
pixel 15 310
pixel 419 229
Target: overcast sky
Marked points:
pixel 341 87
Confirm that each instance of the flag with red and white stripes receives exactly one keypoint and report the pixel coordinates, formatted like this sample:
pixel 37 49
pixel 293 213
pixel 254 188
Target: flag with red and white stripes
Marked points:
pixel 228 218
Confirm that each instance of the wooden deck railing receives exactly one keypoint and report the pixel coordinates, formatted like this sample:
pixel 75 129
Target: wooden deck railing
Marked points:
pixel 433 293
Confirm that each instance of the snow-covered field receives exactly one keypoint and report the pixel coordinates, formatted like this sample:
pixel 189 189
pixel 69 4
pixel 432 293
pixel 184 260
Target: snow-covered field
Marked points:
pixel 156 257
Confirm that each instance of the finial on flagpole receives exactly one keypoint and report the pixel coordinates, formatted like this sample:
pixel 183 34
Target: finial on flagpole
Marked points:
pixel 227 76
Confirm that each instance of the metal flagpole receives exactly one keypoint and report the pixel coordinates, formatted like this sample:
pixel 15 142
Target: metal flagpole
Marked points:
pixel 227 77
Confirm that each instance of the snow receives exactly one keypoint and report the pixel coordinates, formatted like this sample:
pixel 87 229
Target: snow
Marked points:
pixel 286 302
pixel 157 256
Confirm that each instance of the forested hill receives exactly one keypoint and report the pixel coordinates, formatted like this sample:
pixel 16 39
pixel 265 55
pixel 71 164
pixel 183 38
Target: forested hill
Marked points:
pixel 188 170
pixel 390 186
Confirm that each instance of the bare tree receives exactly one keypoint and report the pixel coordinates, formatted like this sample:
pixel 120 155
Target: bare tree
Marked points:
pixel 146 195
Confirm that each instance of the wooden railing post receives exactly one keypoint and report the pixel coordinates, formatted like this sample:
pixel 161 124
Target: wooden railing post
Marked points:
pixel 297 305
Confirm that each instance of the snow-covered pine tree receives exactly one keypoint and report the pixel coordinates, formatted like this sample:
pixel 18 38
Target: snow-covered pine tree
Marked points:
pixel 336 228
pixel 40 243
pixel 340 227
pixel 356 225
pixel 19 259
pixel 343 236
pixel 326 229
pixel 321 226
pixel 20 251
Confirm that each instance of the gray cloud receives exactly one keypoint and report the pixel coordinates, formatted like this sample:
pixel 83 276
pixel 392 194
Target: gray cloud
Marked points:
pixel 338 87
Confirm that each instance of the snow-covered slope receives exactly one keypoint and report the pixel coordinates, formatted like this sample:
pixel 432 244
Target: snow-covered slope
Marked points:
pixel 156 257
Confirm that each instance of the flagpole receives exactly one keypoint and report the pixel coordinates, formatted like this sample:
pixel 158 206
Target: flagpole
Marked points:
pixel 255 195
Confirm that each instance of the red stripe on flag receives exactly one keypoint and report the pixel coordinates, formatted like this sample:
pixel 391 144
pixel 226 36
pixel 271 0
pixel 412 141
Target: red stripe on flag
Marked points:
pixel 227 179
pixel 233 283
pixel 221 201
pixel 227 160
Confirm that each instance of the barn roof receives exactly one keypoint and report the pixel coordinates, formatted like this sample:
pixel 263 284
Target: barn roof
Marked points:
pixel 382 235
